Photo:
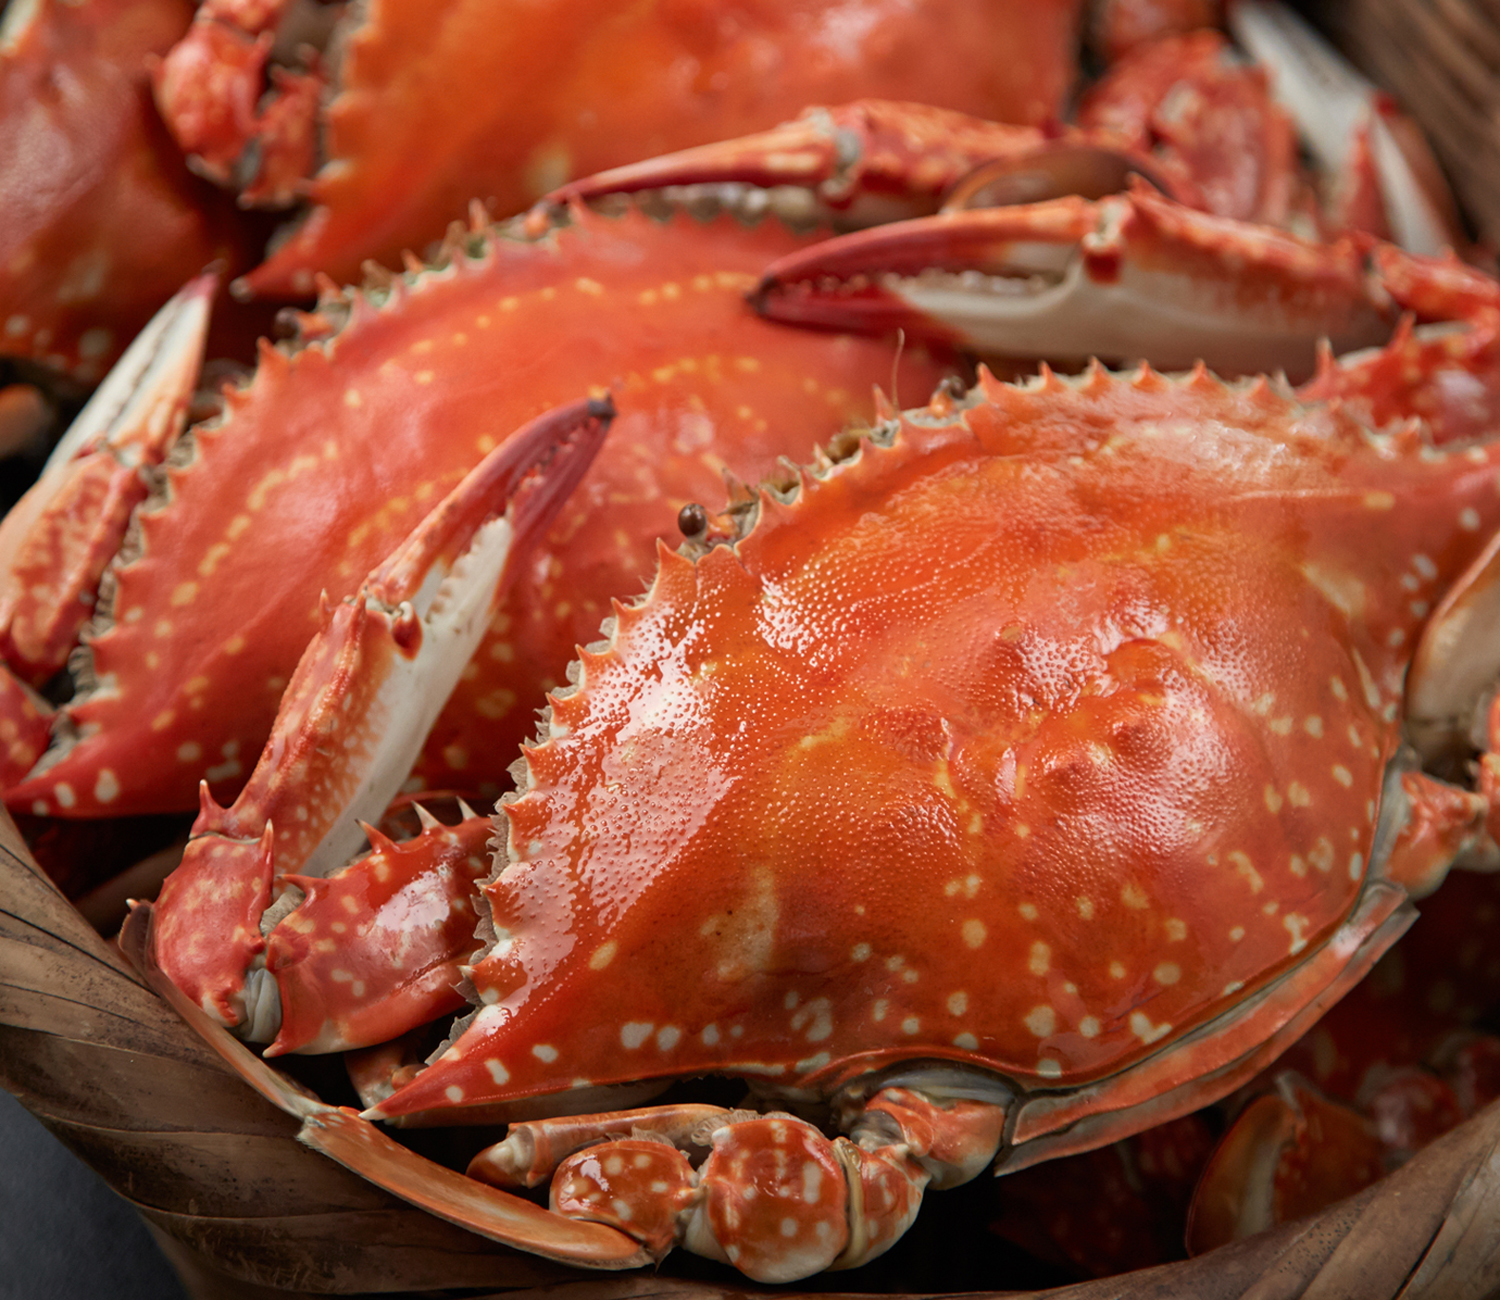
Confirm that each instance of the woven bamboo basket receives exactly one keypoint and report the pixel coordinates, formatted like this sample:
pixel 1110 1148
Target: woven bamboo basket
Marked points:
pixel 243 1211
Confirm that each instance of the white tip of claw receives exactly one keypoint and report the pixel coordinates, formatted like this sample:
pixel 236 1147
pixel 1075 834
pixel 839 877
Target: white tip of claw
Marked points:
pixel 465 811
pixel 429 822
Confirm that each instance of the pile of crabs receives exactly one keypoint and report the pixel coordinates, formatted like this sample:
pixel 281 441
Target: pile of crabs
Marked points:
pixel 1039 779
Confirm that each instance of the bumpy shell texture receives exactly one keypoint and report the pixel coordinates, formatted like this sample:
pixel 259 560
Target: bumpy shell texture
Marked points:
pixel 1032 739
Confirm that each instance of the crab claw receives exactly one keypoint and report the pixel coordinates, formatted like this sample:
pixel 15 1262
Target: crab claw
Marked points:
pixel 1289 1153
pixel 360 705
pixel 375 948
pixel 359 1146
pixel 56 542
pixel 1352 130
pixel 878 160
pixel 1132 275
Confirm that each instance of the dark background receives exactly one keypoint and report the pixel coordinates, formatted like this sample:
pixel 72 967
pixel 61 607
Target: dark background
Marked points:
pixel 63 1233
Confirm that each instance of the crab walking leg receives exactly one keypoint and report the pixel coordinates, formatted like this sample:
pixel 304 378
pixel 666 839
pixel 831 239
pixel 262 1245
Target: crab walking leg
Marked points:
pixel 1132 275
pixel 359 707
pixel 775 1197
pixel 211 92
pixel 56 542
pixel 532 1150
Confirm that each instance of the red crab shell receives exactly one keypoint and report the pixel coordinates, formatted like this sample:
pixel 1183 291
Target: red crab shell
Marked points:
pixel 1034 741
pixel 338 448
pixel 102 220
pixel 566 88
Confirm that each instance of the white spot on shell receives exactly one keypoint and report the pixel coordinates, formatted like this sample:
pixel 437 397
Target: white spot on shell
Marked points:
pixel 544 1052
pixel 1142 1028
pixel 634 1033
pixel 1042 1021
pixel 498 1072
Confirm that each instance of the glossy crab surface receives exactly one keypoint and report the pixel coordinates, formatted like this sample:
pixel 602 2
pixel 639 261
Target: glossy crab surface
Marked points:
pixel 1036 740
pixel 102 220
pixel 435 105
pixel 342 442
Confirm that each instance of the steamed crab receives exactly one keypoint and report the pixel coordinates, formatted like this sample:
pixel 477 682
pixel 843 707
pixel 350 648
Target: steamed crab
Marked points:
pixel 410 374
pixel 1024 773
pixel 384 121
pixel 773 755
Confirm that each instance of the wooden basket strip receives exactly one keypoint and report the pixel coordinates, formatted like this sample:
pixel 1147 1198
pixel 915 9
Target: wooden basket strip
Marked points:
pixel 1441 59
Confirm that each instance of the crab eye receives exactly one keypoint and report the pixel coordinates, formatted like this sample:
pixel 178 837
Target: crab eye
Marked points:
pixel 692 520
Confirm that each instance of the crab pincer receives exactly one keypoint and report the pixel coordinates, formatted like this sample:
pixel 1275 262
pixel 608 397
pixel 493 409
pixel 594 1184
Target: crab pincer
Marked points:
pixel 875 160
pixel 352 720
pixel 57 541
pixel 1128 276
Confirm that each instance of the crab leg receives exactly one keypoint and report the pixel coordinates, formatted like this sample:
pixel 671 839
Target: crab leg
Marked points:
pixel 1133 275
pixel 775 1197
pixel 211 92
pixel 358 708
